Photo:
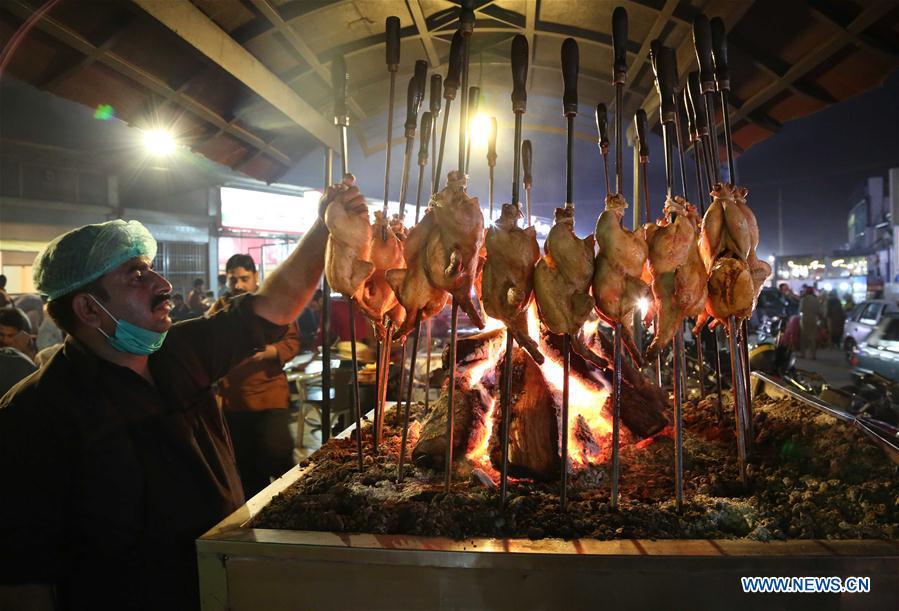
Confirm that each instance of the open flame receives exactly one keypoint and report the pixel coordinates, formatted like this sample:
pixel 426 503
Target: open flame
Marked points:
pixel 585 399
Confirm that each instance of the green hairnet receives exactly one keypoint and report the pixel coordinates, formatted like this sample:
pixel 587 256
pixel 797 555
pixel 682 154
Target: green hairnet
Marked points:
pixel 82 255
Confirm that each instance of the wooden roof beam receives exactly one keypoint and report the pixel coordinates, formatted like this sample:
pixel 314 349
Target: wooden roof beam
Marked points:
pixel 830 15
pixel 813 59
pixel 72 39
pixel 271 14
pixel 188 22
pixel 418 17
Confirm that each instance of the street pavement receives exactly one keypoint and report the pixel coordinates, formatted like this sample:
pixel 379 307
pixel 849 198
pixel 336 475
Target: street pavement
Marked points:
pixel 831 363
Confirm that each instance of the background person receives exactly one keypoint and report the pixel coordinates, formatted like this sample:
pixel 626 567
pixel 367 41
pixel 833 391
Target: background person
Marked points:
pixel 255 394
pixel 195 298
pixel 809 315
pixel 16 348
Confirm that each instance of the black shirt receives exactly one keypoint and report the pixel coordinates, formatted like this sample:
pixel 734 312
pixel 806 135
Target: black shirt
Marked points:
pixel 107 480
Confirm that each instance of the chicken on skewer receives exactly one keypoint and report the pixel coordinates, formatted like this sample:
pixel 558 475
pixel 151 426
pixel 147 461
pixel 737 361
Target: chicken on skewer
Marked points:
pixel 454 245
pixel 348 254
pixel 617 282
pixel 411 285
pixel 507 283
pixel 386 253
pixel 679 278
pixel 727 245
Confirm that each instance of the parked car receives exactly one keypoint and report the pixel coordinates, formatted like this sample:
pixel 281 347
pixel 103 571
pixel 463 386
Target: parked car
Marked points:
pixel 862 320
pixel 772 304
pixel 878 353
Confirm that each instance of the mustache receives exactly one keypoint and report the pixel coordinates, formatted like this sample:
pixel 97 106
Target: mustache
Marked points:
pixel 160 299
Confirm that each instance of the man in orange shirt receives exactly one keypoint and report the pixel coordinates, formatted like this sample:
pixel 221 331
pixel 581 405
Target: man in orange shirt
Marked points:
pixel 255 394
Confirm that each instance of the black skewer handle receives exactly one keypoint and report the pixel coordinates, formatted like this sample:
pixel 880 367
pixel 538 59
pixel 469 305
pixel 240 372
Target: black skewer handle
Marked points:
pixel 691 114
pixel 527 159
pixel 474 100
pixel 520 58
pixel 454 70
pixel 491 143
pixel 425 135
pixel 436 94
pixel 700 117
pixel 655 49
pixel 619 44
pixel 602 126
pixel 570 64
pixel 702 41
pixel 719 54
pixel 666 86
pixel 421 75
pixel 413 101
pixel 466 17
pixel 339 78
pixel 392 28
pixel 672 68
pixel 640 124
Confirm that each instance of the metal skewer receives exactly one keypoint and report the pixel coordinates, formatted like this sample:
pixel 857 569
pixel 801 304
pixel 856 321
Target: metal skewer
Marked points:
pixel 519 61
pixel 668 113
pixel 722 82
pixel 474 97
pixel 414 96
pixel 384 373
pixel 570 66
pixel 339 78
pixel 602 128
pixel 451 397
pixel 491 164
pixel 527 160
pixel 619 78
pixel 424 141
pixel 450 87
pixel 326 327
pixel 466 26
pixel 435 91
pixel 402 459
pixel 392 27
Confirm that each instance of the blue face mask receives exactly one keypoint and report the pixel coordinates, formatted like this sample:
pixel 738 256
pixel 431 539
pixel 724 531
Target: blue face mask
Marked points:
pixel 131 338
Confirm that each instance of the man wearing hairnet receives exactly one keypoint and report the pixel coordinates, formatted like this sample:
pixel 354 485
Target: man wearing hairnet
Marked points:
pixel 114 457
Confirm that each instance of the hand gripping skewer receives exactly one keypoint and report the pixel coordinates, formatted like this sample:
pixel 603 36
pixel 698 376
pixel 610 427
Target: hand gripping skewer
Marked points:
pixel 570 66
pixel 450 87
pixel 339 79
pixel 527 161
pixel 722 82
pixel 491 164
pixel 414 96
pixel 619 78
pixel 668 112
pixel 602 128
pixel 519 61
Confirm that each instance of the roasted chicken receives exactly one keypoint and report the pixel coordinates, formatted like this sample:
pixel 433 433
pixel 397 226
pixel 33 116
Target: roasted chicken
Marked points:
pixel 413 290
pixel 562 276
pixel 348 253
pixel 679 278
pixel 377 297
pixel 507 283
pixel 727 245
pixel 617 282
pixel 453 246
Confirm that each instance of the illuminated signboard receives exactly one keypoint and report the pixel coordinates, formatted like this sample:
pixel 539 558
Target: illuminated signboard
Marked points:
pixel 244 209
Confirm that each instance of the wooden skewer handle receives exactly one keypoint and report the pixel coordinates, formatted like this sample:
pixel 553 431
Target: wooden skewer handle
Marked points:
pixel 640 124
pixel 619 44
pixel 719 54
pixel 527 159
pixel 425 134
pixel 697 104
pixel 454 70
pixel 702 40
pixel 491 143
pixel 602 126
pixel 436 91
pixel 413 101
pixel 339 79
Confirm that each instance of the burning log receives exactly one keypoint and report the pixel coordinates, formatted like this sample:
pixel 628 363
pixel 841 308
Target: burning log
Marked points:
pixel 535 410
